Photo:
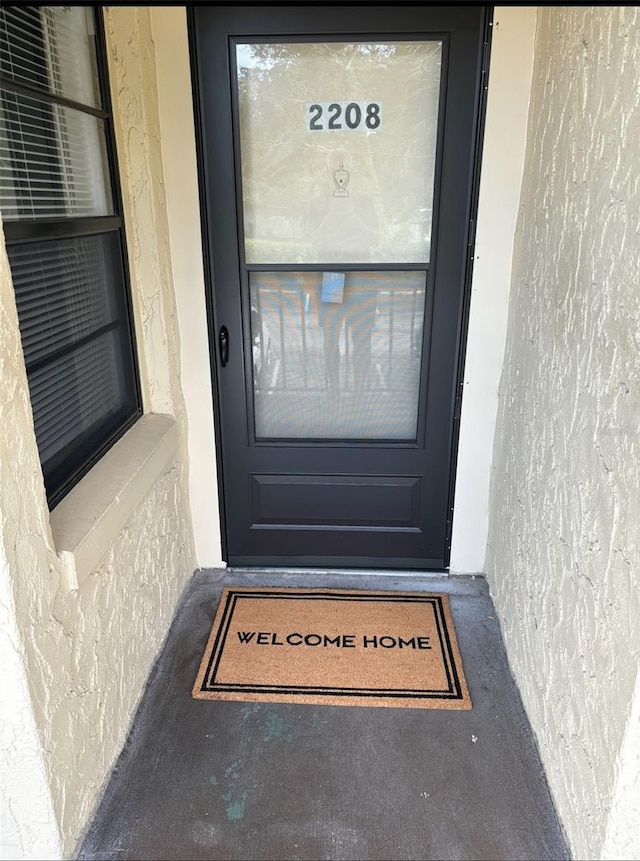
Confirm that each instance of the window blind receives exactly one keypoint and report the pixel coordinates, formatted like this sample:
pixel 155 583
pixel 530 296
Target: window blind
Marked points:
pixel 53 161
pixel 51 48
pixel 73 395
pixel 63 292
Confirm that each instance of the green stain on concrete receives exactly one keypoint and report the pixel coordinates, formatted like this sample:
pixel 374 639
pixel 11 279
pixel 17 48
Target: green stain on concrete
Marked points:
pixel 248 711
pixel 232 771
pixel 274 728
pixel 213 781
pixel 235 806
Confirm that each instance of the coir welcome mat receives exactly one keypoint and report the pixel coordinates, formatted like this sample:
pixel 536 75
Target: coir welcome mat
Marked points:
pixel 333 647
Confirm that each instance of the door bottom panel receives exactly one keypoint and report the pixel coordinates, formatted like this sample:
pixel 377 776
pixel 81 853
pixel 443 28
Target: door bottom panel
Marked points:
pixel 357 501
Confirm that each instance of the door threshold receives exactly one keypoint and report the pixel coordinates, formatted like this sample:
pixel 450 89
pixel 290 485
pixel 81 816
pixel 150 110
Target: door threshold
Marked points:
pixel 347 572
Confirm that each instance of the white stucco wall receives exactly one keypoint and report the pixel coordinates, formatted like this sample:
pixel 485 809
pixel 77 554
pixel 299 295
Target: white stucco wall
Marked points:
pixel 564 541
pixel 24 785
pixel 86 653
pixel 622 837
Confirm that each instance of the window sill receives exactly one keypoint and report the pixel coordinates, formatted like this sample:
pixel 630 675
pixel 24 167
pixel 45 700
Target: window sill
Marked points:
pixel 90 517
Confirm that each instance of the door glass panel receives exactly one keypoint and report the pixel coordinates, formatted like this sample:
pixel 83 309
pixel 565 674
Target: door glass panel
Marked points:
pixel 337 144
pixel 336 355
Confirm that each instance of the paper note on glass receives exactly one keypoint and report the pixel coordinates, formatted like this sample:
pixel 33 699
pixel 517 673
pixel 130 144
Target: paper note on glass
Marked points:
pixel 332 287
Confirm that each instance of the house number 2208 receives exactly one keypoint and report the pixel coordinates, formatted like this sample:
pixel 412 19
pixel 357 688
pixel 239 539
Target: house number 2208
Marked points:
pixel 344 116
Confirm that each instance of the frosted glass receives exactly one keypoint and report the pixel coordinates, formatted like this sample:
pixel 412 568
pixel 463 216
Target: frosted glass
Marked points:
pixel 337 144
pixel 336 355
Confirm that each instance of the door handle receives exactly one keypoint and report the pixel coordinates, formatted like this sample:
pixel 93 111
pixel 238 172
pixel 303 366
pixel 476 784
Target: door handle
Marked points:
pixel 224 345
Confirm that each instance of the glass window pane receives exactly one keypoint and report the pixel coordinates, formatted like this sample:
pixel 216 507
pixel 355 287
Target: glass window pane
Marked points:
pixel 51 48
pixel 70 300
pixel 338 144
pixel 76 394
pixel 52 161
pixel 64 291
pixel 336 355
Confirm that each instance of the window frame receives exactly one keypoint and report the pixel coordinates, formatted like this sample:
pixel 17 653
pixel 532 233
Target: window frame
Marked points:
pixel 26 230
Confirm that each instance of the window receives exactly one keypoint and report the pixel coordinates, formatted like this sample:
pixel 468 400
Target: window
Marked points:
pixel 64 232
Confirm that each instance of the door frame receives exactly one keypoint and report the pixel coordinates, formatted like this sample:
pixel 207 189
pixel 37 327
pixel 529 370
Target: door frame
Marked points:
pixel 213 322
pixel 463 326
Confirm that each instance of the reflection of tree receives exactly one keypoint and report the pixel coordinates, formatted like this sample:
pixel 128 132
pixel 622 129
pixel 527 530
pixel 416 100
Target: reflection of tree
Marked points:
pixel 285 166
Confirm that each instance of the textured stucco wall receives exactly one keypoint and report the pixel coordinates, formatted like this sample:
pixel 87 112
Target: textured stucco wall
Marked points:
pixel 87 653
pixel 28 827
pixel 133 80
pixel 622 838
pixel 564 540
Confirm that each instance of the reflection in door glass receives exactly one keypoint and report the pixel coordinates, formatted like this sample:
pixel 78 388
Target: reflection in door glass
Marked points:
pixel 336 355
pixel 337 145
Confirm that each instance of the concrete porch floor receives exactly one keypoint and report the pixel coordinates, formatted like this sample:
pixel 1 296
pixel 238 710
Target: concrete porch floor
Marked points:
pixel 213 780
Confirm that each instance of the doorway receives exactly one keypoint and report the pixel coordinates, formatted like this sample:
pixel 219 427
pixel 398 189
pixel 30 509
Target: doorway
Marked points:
pixel 338 166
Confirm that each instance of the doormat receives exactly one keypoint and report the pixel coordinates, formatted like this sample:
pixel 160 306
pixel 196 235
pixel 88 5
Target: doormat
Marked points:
pixel 333 647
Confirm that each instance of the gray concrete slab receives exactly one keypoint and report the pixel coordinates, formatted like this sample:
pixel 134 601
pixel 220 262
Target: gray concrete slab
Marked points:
pixel 214 780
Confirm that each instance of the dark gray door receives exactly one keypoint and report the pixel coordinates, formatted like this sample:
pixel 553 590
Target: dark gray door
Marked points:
pixel 337 155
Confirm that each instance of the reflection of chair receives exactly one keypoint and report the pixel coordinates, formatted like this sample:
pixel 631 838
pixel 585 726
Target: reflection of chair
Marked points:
pixel 350 324
pixel 278 328
pixel 261 351
pixel 354 319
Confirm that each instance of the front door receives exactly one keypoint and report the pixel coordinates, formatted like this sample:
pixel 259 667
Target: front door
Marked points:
pixel 337 155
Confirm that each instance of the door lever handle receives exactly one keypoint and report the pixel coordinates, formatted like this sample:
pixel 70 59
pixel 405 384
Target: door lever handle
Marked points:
pixel 223 341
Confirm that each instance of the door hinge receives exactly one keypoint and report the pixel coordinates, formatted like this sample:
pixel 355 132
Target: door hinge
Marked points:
pixel 457 409
pixel 472 233
pixel 484 70
pixel 449 530
pixel 485 62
